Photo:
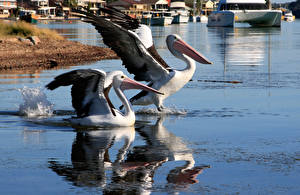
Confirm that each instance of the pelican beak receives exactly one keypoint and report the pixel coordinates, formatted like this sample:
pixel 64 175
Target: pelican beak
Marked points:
pixel 131 84
pixel 186 49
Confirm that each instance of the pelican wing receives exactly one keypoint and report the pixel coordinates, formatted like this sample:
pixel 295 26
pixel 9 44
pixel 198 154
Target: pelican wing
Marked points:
pixel 118 17
pixel 117 30
pixel 87 90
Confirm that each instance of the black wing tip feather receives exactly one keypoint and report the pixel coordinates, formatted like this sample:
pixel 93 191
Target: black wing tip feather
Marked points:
pixel 61 80
pixel 79 79
pixel 111 13
pixel 70 78
pixel 52 85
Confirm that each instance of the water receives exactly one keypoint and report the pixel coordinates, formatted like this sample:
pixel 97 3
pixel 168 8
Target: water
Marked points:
pixel 217 137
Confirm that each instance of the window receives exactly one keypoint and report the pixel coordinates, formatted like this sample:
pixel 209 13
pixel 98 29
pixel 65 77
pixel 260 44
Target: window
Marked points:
pixel 243 6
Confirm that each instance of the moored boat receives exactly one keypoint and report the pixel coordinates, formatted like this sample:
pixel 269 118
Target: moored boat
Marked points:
pixel 179 12
pixel 289 17
pixel 29 16
pixel 161 18
pixel 254 12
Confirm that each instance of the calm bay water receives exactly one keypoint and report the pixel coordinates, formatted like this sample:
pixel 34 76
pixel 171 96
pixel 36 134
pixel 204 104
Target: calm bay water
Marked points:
pixel 218 138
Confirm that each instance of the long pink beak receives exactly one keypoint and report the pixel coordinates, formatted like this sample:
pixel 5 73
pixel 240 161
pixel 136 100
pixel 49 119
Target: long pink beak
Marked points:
pixel 185 48
pixel 131 84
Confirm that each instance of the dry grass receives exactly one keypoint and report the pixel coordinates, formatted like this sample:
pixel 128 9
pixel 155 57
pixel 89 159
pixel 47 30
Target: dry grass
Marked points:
pixel 23 29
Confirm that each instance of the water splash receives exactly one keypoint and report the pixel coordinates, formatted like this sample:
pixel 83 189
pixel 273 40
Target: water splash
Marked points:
pixel 35 103
pixel 165 111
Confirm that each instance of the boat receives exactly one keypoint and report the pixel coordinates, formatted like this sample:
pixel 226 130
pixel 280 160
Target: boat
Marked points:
pixel 253 12
pixel 29 16
pixel 192 18
pixel 179 12
pixel 289 17
pixel 146 17
pixel 202 19
pixel 161 18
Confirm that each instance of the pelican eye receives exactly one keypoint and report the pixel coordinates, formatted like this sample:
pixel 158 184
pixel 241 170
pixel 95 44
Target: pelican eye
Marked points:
pixel 122 77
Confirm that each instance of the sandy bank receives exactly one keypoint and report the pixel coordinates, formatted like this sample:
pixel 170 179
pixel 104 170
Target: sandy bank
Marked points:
pixel 16 55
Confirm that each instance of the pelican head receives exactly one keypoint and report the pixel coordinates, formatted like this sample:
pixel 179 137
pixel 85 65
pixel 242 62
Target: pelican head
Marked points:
pixel 179 48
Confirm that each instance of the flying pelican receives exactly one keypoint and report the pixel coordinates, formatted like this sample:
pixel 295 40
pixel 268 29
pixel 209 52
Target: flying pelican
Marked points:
pixel 90 88
pixel 133 43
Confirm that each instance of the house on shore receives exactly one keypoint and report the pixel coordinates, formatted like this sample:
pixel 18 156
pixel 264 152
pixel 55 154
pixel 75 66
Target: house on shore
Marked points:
pixel 7 7
pixel 135 8
pixel 206 7
pixel 92 5
pixel 43 8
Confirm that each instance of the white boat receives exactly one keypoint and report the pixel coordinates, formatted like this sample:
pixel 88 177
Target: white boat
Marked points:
pixel 289 17
pixel 254 12
pixel 178 11
pixel 161 18
pixel 203 19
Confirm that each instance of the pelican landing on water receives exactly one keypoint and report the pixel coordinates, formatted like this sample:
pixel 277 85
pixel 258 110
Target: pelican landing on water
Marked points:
pixel 133 43
pixel 90 99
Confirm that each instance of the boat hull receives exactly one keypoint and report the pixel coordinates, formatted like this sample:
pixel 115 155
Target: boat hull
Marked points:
pixel 221 19
pixel 289 18
pixel 259 17
pixel 146 21
pixel 266 18
pixel 192 19
pixel 161 21
pixel 178 19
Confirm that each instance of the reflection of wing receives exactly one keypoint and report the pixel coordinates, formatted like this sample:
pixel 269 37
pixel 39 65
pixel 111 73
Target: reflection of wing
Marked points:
pixel 163 144
pixel 87 90
pixel 91 154
pixel 94 145
pixel 117 30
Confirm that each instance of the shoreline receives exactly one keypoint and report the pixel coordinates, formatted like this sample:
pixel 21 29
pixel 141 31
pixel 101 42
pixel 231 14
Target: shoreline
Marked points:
pixel 16 56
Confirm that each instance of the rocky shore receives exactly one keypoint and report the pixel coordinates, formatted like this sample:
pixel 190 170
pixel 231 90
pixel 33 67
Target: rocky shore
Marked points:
pixel 20 54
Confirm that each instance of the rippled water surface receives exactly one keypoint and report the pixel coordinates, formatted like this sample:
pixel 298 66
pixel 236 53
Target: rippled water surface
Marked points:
pixel 217 137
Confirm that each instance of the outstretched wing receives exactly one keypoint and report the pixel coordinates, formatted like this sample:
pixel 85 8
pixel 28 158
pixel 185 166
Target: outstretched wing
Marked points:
pixel 128 39
pixel 87 90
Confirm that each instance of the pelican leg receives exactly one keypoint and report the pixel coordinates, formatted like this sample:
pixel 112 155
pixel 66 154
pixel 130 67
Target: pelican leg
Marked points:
pixel 160 108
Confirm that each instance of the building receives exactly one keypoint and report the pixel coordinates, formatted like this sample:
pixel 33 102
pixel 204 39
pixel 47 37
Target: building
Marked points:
pixel 135 8
pixel 43 9
pixel 160 5
pixel 206 7
pixel 92 5
pixel 6 7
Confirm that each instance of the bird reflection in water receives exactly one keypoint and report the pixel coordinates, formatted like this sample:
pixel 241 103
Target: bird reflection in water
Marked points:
pixel 133 168
pixel 90 156
pixel 163 146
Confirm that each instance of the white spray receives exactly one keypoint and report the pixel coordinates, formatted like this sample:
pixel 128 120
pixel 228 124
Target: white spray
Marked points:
pixel 35 103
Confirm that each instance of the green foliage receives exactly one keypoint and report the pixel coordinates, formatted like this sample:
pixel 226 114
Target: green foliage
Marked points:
pixel 19 30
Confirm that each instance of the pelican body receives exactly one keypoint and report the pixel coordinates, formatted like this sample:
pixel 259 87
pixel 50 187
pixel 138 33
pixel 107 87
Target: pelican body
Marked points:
pixel 90 99
pixel 133 43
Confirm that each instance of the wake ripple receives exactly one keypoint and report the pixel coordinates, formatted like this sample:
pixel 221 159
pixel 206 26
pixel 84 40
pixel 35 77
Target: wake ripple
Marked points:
pixel 166 111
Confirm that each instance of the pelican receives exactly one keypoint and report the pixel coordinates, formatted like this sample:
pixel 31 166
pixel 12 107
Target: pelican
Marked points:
pixel 133 43
pixel 90 88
